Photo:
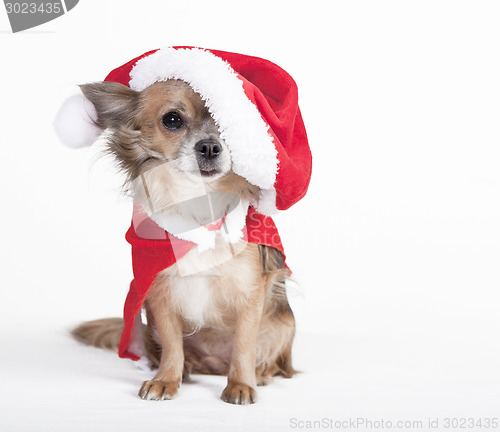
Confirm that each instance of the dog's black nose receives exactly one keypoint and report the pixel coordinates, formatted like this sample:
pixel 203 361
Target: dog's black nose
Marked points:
pixel 209 149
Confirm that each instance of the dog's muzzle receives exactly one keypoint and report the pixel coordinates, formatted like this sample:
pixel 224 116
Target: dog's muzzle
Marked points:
pixel 207 155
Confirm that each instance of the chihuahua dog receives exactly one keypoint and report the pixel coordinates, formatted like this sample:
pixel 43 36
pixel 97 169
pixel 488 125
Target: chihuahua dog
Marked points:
pixel 205 314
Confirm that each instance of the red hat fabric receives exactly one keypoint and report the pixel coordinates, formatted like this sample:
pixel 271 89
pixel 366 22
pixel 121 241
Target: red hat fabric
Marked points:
pixel 255 106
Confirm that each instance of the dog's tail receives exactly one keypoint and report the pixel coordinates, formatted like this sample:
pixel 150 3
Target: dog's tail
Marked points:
pixel 102 333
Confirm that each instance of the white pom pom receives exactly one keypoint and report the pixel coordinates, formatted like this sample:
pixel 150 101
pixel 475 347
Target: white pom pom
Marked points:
pixel 74 123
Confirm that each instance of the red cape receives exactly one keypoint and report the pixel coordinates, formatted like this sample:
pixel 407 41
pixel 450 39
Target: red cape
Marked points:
pixel 153 250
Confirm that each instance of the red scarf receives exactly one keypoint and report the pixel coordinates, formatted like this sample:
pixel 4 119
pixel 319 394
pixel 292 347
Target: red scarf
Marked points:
pixel 153 251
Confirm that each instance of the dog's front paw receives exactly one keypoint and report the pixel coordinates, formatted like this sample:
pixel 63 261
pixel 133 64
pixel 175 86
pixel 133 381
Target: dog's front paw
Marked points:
pixel 158 390
pixel 239 394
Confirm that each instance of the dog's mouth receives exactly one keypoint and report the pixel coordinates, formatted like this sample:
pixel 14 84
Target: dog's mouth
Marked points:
pixel 208 169
pixel 209 172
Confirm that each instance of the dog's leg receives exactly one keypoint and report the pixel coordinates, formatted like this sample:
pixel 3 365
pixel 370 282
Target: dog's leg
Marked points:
pixel 167 380
pixel 241 383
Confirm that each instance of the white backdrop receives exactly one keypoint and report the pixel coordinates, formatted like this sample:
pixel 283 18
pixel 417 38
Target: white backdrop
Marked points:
pixel 395 248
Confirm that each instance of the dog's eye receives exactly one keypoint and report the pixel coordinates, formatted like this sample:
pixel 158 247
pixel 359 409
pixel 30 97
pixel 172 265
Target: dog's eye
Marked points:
pixel 172 121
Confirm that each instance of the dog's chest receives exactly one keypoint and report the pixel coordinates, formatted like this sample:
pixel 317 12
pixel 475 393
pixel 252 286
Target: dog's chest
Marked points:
pixel 206 288
pixel 194 299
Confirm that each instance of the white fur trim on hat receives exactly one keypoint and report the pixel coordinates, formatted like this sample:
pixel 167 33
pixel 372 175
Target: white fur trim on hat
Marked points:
pixel 75 122
pixel 267 202
pixel 253 153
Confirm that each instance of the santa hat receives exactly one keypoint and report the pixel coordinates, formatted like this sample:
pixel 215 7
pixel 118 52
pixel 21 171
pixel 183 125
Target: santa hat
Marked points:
pixel 253 102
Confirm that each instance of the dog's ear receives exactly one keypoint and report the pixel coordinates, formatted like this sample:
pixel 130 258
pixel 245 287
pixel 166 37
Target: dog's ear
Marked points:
pixel 115 104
